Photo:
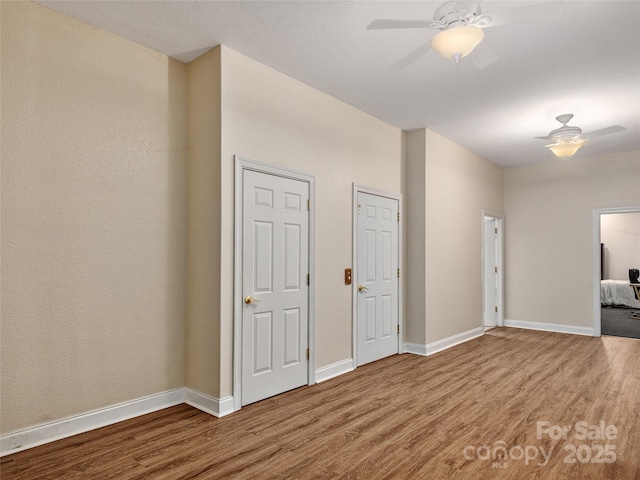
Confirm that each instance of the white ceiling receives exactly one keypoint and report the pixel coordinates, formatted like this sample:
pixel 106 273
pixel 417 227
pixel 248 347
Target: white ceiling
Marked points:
pixel 587 63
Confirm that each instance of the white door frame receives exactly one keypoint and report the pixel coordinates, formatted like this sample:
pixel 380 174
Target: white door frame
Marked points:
pixel 499 260
pixel 242 164
pixel 597 213
pixel 354 284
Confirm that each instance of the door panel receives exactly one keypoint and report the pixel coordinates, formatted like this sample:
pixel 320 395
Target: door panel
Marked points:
pixel 263 342
pixel 291 342
pixel 387 315
pixel 292 257
pixel 275 259
pixel 263 256
pixel 377 298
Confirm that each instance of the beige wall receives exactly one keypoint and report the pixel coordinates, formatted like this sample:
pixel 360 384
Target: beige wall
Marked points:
pixel 270 117
pixel 415 268
pixel 203 305
pixel 549 233
pixel 459 186
pixel 620 234
pixel 93 218
pixel 448 188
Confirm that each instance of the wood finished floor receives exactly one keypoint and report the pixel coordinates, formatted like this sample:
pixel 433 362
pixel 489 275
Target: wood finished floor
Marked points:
pixel 404 417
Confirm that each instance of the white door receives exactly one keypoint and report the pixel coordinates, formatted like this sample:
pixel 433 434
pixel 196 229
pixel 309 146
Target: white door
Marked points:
pixel 377 296
pixel 275 259
pixel 490 274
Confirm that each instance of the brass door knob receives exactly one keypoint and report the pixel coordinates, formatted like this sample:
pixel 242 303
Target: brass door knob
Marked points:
pixel 362 288
pixel 249 300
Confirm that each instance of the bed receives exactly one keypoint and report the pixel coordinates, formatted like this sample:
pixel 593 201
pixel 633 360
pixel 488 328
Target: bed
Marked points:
pixel 618 293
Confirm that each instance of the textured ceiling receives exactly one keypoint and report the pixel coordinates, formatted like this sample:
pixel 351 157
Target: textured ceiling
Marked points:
pixel 587 63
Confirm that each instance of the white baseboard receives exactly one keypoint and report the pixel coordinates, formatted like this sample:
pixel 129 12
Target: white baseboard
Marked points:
pixel 453 340
pixel 549 327
pixel 443 344
pixel 49 432
pixel 334 370
pixel 415 348
pixel 218 407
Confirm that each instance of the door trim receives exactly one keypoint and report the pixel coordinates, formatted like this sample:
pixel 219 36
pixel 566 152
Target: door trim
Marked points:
pixel 242 164
pixel 597 213
pixel 354 258
pixel 499 260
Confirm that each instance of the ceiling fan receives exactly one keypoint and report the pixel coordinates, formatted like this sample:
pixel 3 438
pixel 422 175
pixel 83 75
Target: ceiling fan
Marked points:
pixel 461 24
pixel 567 139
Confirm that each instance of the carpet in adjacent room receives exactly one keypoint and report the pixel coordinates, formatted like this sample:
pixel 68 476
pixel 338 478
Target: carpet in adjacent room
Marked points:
pixel 617 321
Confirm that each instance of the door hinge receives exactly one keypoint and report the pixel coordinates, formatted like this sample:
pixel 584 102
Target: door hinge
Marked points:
pixel 496 229
pixel 398 216
pixel 308 353
pixel 496 269
pixel 496 309
pixel 309 204
pixel 398 273
pixel 398 329
pixel 308 279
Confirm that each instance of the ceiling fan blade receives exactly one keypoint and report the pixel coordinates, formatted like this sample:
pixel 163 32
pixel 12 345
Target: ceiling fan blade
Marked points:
pixel 603 142
pixel 544 138
pixel 388 23
pixel 404 62
pixel 538 12
pixel 483 55
pixel 605 131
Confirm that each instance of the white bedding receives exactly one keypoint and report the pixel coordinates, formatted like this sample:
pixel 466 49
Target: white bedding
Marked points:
pixel 617 292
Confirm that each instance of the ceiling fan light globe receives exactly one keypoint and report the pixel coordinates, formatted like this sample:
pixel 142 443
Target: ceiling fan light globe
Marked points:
pixel 563 150
pixel 457 42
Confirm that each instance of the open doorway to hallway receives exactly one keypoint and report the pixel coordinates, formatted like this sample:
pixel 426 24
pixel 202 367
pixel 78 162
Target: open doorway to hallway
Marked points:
pixel 619 239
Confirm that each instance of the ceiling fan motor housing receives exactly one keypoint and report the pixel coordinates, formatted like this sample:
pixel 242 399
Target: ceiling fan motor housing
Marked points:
pixel 566 133
pixel 456 14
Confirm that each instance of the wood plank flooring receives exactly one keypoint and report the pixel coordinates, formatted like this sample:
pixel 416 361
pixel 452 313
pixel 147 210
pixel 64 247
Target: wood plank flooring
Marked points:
pixel 404 417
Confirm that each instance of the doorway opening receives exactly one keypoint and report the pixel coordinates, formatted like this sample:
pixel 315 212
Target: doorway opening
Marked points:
pixel 616 252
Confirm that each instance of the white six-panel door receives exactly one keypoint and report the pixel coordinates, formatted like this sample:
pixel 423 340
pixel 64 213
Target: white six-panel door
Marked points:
pixel 490 274
pixel 275 260
pixel 377 277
